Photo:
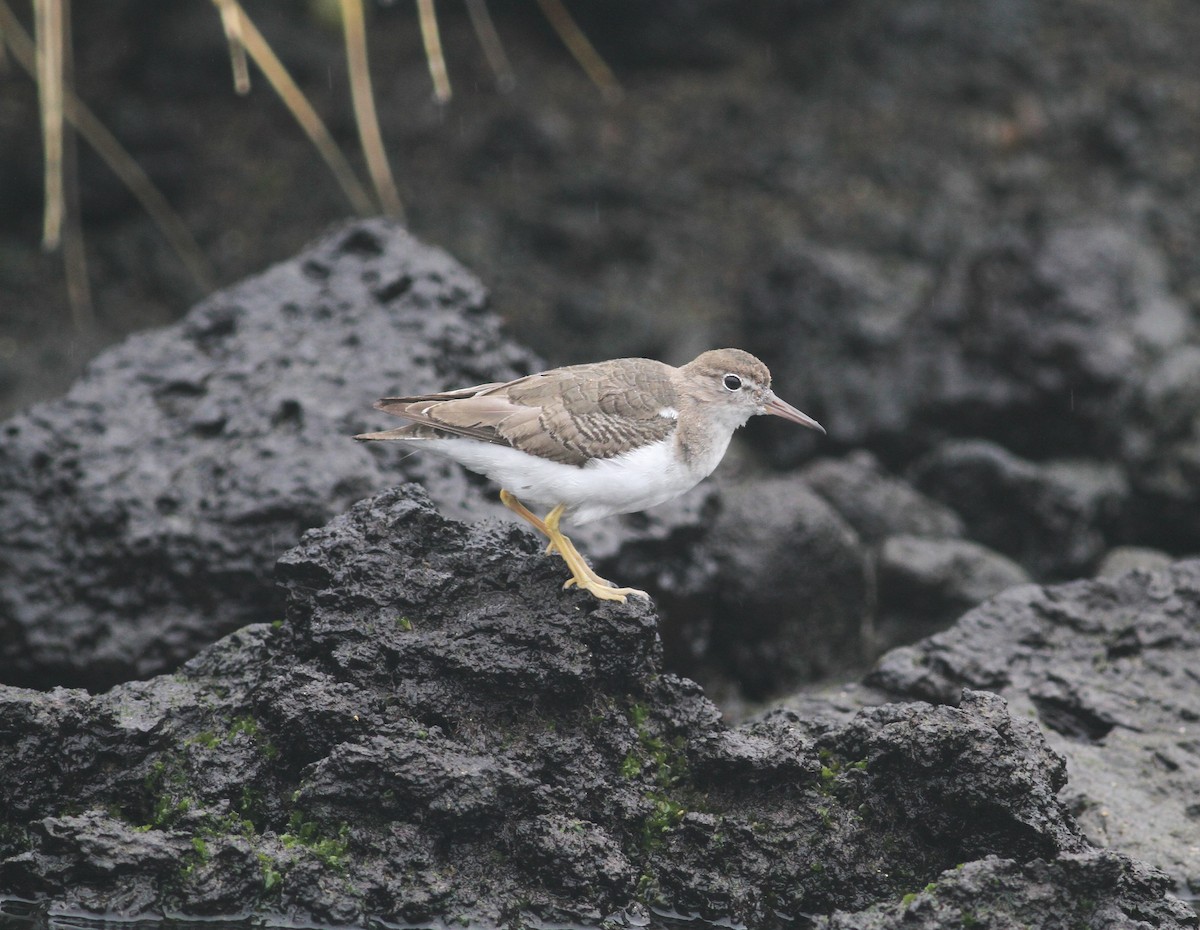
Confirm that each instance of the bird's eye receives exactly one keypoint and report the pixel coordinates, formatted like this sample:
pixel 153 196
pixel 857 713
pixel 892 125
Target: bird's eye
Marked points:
pixel 733 383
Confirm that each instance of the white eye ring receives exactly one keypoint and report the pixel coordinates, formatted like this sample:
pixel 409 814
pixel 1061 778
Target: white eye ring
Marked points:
pixel 732 383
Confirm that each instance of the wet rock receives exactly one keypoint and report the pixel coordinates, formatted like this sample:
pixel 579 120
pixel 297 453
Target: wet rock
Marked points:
pixel 792 589
pixel 1160 439
pixel 876 504
pixel 925 574
pixel 1056 331
pixel 842 330
pixel 998 892
pixel 1066 344
pixel 436 732
pixel 926 584
pixel 1108 668
pixel 1051 518
pixel 141 513
pixel 771 586
pixel 1039 341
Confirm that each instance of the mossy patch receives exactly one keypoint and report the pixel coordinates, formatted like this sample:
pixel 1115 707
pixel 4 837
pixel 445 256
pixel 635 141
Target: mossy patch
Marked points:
pixel 329 849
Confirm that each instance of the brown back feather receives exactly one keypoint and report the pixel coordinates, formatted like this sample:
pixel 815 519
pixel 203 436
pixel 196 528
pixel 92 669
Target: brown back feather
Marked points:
pixel 568 415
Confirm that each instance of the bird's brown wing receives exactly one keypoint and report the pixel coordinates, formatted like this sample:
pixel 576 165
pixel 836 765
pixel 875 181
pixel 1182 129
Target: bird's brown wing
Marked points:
pixel 472 412
pixel 594 411
pixel 568 415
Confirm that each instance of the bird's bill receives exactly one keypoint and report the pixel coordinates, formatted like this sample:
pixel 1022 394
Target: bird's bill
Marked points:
pixel 782 408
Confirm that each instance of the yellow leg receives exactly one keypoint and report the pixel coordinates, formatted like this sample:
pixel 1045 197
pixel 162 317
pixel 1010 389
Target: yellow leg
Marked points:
pixel 510 501
pixel 581 572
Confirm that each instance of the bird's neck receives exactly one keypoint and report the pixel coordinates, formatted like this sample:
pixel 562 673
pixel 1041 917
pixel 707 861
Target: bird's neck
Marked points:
pixel 701 437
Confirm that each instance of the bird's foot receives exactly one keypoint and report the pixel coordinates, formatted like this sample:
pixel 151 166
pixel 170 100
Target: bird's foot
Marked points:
pixel 585 577
pixel 604 591
pixel 582 574
pixel 588 574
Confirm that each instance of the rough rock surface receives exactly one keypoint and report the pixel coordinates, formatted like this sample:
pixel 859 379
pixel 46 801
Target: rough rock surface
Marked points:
pixel 929 583
pixel 876 504
pixel 1122 559
pixel 1036 340
pixel 1108 667
pixel 773 586
pixel 1000 893
pixel 790 597
pixel 436 732
pixel 1051 517
pixel 923 573
pixel 141 513
pixel 1065 344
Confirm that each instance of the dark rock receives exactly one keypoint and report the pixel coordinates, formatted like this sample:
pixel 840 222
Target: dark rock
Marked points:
pixel 1160 439
pixel 1055 333
pixel 1108 668
pixel 1051 518
pixel 140 514
pixel 1072 891
pixel 768 586
pixel 925 575
pixel 876 504
pixel 842 330
pixel 438 733
pixel 791 589
pixel 925 584
pixel 1062 343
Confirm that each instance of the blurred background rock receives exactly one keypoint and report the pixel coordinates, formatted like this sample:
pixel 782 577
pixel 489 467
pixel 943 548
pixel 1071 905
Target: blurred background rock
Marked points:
pixel 884 144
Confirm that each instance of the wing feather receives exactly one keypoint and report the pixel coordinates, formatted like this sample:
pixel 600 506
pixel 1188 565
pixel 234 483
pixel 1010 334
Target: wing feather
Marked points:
pixel 569 415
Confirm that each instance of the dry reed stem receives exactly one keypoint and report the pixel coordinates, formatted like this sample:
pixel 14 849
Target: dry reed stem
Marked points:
pixel 294 99
pixel 48 28
pixel 231 22
pixel 583 50
pixel 433 50
pixel 47 62
pixel 79 290
pixel 493 48
pixel 117 159
pixel 354 25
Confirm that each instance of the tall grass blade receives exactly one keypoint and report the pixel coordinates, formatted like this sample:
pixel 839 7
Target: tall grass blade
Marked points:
pixel 231 22
pixel 312 124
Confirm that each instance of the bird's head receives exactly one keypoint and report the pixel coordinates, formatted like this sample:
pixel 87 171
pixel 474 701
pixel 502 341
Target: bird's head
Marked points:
pixel 734 385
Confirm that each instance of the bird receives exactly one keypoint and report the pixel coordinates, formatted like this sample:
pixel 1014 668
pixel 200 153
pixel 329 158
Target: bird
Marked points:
pixel 584 442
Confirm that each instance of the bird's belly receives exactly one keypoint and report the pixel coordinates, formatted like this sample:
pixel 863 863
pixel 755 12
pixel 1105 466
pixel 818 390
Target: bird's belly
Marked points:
pixel 623 484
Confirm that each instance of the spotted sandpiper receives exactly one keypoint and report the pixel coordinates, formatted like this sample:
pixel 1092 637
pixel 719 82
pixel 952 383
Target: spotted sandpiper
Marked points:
pixel 590 441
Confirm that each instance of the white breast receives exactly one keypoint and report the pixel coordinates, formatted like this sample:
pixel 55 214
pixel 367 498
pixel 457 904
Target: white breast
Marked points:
pixel 623 484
